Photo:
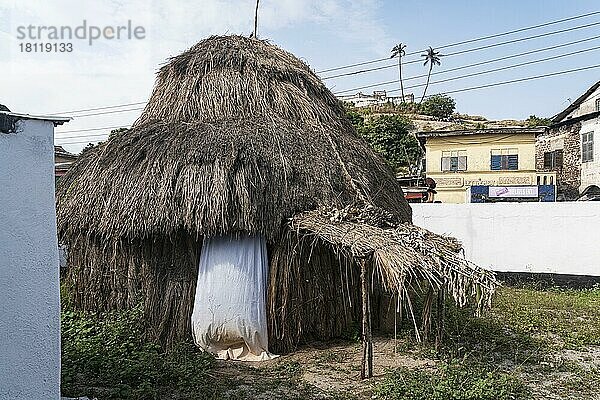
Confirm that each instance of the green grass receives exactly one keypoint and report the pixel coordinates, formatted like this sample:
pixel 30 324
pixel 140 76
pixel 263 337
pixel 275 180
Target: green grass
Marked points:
pixel 450 381
pixel 513 346
pixel 519 344
pixel 571 317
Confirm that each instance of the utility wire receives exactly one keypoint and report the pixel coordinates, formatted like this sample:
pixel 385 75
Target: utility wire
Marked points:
pixel 471 65
pixel 404 63
pixel 372 69
pixel 81 142
pixel 467 41
pixel 100 108
pixel 489 71
pixel 529 78
pixel 92 129
pixel 81 136
pixel 108 112
pixel 468 50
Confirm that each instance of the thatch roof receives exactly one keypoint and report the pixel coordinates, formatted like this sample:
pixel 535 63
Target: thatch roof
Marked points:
pixel 238 135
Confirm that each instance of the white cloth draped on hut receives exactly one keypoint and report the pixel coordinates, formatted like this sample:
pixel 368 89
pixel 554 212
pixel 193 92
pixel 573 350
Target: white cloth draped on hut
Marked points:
pixel 229 317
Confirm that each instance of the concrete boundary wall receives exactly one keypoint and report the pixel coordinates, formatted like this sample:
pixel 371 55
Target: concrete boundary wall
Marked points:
pixel 559 238
pixel 29 276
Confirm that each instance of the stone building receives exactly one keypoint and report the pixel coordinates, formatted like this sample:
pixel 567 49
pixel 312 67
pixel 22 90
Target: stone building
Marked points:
pixel 378 98
pixel 570 147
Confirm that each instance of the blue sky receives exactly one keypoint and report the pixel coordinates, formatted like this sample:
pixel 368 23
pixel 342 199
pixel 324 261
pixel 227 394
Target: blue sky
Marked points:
pixel 325 33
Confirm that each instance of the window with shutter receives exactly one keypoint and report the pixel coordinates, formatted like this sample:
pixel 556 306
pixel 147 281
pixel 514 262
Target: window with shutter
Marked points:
pixel 553 159
pixel 462 163
pixel 445 163
pixel 587 146
pixel 496 162
pixel 512 162
pixel 504 159
pixel 454 161
pixel 548 160
pixel 558 158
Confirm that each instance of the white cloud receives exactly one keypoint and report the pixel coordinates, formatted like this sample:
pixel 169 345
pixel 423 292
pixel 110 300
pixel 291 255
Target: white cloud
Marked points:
pixel 113 72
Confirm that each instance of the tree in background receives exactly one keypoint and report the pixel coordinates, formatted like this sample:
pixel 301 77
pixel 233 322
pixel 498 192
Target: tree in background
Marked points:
pixel 398 51
pixel 439 106
pixel 390 136
pixel 534 121
pixel 432 58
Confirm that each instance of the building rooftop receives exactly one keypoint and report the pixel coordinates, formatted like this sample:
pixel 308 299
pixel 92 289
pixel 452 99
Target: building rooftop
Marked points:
pixel 486 131
pixel 559 117
pixel 57 120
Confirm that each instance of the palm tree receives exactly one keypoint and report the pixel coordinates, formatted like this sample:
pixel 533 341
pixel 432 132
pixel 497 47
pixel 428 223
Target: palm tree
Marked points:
pixel 398 51
pixel 432 58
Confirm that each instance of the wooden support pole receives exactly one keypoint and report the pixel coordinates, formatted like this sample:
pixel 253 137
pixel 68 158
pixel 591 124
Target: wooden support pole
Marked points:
pixel 367 342
pixel 441 316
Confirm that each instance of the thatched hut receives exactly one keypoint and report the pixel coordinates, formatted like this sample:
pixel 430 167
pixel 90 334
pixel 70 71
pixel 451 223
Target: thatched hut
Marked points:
pixel 240 137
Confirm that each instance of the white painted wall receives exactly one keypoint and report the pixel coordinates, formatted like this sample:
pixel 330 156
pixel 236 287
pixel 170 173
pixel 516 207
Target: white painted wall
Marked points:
pixel 559 238
pixel 29 276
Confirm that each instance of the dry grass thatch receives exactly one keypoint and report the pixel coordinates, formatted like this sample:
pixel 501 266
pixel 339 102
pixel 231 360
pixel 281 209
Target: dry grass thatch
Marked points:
pixel 238 135
pixel 401 253
pixel 241 136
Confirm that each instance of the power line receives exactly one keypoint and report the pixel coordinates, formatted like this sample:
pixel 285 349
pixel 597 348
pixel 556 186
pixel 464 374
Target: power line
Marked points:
pixel 518 80
pixel 81 136
pixel 388 66
pixel 469 50
pixel 489 71
pixel 529 78
pixel 472 65
pixel 92 129
pixel 466 41
pixel 100 108
pixel 108 112
pixel 82 142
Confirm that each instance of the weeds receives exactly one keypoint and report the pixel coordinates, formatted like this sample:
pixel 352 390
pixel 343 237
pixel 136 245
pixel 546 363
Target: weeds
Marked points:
pixel 451 381
pixel 106 357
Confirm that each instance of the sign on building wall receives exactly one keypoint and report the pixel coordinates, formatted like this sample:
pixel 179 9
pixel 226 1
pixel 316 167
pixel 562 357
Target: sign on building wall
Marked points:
pixel 513 191
pixel 493 194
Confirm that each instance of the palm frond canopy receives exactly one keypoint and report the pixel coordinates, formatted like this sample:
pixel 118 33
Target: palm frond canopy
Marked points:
pixel 431 57
pixel 398 50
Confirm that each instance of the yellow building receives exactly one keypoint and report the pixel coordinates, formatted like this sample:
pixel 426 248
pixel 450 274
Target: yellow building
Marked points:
pixel 459 159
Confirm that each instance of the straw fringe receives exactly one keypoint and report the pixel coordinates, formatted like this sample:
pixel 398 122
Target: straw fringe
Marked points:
pixel 401 253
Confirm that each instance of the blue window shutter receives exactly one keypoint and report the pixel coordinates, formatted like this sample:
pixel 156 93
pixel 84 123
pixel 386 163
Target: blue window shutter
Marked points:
pixel 496 163
pixel 513 161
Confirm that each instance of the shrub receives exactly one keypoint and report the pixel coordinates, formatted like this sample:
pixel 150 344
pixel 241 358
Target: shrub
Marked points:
pixel 451 381
pixel 439 106
pixel 389 135
pixel 107 357
pixel 534 121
